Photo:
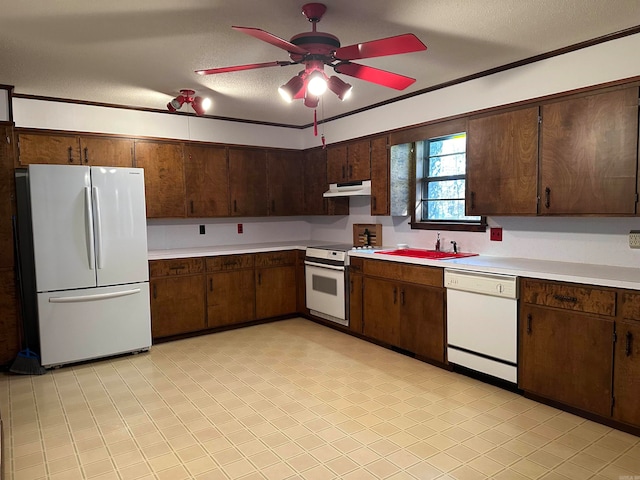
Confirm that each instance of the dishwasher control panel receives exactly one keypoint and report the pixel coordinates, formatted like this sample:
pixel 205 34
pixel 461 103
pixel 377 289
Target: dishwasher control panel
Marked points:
pixel 480 282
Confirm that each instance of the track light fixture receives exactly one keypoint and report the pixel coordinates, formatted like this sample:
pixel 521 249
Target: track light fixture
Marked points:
pixel 289 90
pixel 200 105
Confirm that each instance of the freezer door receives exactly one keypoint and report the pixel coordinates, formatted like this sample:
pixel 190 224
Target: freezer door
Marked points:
pixel 92 323
pixel 120 229
pixel 62 218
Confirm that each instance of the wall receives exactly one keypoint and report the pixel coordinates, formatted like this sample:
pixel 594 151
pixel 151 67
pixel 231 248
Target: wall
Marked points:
pixel 592 240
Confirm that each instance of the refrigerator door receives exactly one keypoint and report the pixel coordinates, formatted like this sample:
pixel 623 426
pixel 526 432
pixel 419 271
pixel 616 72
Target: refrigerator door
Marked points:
pixel 120 225
pixel 91 323
pixel 62 219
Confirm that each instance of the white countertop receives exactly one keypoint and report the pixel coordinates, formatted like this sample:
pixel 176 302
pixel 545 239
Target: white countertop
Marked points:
pixel 590 274
pixel 602 275
pixel 231 249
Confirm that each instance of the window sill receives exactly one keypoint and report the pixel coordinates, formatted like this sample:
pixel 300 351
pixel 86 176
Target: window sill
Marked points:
pixel 451 226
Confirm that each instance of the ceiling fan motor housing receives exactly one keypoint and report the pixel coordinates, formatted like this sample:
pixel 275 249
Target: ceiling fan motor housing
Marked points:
pixel 316 43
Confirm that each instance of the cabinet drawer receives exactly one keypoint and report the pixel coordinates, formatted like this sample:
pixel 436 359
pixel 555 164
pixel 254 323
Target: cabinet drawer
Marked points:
pixel 176 266
pixel 585 299
pixel 630 306
pixel 431 276
pixel 229 262
pixel 276 259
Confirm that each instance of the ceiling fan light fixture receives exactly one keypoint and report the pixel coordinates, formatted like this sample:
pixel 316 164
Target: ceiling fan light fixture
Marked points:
pixel 317 83
pixel 311 100
pixel 340 88
pixel 289 90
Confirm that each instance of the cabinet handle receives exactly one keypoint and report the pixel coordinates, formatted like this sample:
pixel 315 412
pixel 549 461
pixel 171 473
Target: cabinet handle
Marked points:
pixel 70 154
pixel 155 292
pixel 402 297
pixel 350 171
pixel 343 172
pixel 259 279
pixel 211 284
pixel 529 318
pixel 473 200
pixel 235 206
pixel 395 295
pixel 627 344
pixel 273 206
pixel 547 197
pixel 86 155
pixel 374 203
pixel 565 298
pixel 191 205
pixel 351 287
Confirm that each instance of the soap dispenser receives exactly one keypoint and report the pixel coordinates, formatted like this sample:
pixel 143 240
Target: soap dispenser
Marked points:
pixel 438 243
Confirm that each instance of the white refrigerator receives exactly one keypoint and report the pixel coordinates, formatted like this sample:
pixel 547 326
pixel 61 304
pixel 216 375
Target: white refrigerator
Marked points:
pixel 89 260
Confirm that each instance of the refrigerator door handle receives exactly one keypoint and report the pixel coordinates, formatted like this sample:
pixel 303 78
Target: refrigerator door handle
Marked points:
pixel 93 298
pixel 98 227
pixel 88 225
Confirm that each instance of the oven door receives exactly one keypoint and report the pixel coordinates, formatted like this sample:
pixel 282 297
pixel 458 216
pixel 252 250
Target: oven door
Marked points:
pixel 325 288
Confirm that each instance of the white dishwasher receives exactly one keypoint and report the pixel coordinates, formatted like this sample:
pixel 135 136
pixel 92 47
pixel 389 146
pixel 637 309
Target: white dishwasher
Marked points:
pixel 482 322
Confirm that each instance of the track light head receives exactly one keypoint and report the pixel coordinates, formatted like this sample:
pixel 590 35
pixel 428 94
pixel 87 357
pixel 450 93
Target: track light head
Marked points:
pixel 199 104
pixel 340 88
pixel 289 90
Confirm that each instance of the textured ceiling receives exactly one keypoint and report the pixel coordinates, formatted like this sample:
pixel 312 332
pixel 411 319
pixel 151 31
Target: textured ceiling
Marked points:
pixel 140 53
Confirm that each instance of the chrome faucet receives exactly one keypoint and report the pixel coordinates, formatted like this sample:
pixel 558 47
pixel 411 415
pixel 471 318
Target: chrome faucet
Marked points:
pixel 455 246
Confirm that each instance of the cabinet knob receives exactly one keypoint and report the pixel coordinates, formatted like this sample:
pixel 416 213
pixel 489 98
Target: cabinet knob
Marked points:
pixel 86 155
pixel 547 197
pixel 70 154
pixel 627 344
pixel 211 284
pixel 529 318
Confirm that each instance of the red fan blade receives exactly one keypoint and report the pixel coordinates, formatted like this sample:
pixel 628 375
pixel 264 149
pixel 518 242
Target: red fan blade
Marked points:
pixel 375 75
pixel 237 68
pixel 406 43
pixel 272 39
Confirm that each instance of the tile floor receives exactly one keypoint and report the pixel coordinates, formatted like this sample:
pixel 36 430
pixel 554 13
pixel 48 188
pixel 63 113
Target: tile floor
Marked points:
pixel 291 400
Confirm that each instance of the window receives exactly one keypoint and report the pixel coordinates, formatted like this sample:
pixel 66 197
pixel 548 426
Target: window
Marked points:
pixel 440 185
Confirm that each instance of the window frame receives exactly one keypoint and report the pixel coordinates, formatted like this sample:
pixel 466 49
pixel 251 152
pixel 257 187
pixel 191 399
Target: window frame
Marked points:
pixel 435 132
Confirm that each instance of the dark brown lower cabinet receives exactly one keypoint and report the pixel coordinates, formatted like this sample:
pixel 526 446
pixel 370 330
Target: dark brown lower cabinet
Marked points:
pixel 566 343
pixel 177 296
pixel 230 297
pixel 9 341
pixel 275 278
pixel 626 373
pixel 355 296
pixel 422 321
pixel 177 305
pixel 407 314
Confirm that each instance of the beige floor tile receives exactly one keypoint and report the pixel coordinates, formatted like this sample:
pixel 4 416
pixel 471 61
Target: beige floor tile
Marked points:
pixel 252 404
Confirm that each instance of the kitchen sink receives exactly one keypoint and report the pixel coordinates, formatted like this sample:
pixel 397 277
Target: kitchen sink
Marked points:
pixel 427 254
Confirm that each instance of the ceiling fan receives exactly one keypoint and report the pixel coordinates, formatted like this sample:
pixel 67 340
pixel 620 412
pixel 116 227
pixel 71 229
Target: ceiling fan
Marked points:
pixel 316 49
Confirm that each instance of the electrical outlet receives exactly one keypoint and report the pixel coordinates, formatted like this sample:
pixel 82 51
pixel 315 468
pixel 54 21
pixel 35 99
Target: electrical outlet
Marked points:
pixel 634 239
pixel 495 234
pixel 240 230
pixel 201 229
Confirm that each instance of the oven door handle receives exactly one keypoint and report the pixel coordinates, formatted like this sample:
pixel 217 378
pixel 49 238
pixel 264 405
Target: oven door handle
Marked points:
pixel 323 265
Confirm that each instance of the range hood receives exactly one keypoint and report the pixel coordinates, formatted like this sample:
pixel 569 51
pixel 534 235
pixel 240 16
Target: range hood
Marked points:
pixel 349 189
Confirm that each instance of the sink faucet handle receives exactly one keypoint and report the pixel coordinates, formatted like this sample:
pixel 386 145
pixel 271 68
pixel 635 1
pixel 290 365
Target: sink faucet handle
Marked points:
pixel 455 246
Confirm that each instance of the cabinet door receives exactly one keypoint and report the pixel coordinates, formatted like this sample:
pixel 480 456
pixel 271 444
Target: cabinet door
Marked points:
pixel 626 375
pixel 589 154
pixel 380 312
pixel 230 297
pixel 567 357
pixel 359 161
pixel 286 187
pixel 53 149
pixel 248 182
pixel 275 291
pixel 206 178
pixel 315 184
pixel 163 178
pixel 301 294
pixel 502 164
pixel 337 168
pixel 355 303
pixel 422 321
pixel 380 185
pixel 177 305
pixel 108 152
